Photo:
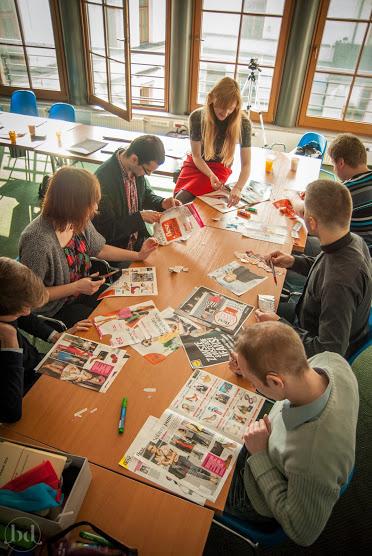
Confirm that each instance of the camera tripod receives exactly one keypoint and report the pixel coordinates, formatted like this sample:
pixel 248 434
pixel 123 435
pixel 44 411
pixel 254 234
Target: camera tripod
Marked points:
pixel 253 100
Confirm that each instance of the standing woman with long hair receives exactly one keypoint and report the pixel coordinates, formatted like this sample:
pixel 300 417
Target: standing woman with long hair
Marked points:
pixel 215 129
pixel 58 245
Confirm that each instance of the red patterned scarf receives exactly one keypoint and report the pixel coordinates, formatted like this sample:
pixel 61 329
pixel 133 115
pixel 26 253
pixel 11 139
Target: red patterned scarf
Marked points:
pixel 130 189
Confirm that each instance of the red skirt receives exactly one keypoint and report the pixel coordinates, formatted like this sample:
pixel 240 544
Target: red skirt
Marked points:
pixel 193 180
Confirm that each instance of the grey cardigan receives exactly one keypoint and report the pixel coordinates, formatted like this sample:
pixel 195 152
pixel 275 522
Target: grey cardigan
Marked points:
pixel 40 250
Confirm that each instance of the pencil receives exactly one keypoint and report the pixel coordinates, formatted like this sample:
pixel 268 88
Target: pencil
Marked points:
pixel 273 271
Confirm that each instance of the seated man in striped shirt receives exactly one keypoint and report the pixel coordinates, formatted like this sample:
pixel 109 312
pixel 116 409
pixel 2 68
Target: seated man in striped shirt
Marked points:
pixel 349 159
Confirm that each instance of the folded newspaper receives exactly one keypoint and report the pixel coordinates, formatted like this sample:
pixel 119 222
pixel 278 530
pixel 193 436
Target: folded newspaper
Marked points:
pixel 177 223
pixel 192 448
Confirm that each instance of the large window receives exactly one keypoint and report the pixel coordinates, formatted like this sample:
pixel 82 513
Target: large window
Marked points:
pixel 338 91
pixel 127 53
pixel 30 52
pixel 227 35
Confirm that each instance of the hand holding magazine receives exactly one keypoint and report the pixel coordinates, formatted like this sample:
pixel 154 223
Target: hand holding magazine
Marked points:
pixel 177 223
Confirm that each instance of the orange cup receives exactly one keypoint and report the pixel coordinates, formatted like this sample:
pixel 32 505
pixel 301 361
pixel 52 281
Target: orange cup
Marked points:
pixel 269 163
pixel 13 137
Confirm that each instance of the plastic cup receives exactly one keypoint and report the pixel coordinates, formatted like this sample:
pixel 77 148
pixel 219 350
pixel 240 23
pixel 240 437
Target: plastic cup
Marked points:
pixel 13 137
pixel 294 163
pixel 59 137
pixel 31 129
pixel 269 163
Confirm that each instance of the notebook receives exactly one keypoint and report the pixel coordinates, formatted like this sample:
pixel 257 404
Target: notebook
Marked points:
pixel 86 147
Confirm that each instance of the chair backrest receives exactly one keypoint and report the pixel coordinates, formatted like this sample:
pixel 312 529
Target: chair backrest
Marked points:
pixel 62 111
pixel 24 102
pixel 311 136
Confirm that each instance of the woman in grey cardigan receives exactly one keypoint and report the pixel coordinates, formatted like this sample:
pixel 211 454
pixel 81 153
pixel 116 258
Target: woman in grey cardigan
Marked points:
pixel 58 245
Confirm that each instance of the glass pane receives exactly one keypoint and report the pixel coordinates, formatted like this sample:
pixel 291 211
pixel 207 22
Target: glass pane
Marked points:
pixel 264 6
pixel 9 28
pixel 220 36
pixel 222 5
pixel 147 84
pixel 36 22
pixel 366 59
pixel 209 75
pixel 360 103
pixel 147 24
pixel 328 95
pixel 96 30
pixel 13 70
pixel 118 3
pixel 255 93
pixel 118 87
pixel 115 32
pixel 96 1
pixel 99 77
pixel 259 39
pixel 350 9
pixel 43 68
pixel 341 45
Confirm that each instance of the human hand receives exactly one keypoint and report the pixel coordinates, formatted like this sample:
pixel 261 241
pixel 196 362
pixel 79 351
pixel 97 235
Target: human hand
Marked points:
pixel 299 206
pixel 87 286
pixel 150 216
pixel 81 326
pixel 215 182
pixel 170 202
pixel 148 246
pixel 257 435
pixel 263 317
pixel 233 364
pixel 234 196
pixel 8 336
pixel 280 259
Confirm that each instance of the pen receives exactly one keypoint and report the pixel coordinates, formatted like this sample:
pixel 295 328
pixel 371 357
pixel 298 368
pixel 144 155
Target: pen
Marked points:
pixel 273 271
pixel 251 209
pixel 122 415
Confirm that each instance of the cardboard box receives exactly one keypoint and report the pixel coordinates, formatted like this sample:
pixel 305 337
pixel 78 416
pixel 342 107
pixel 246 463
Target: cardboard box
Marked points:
pixel 71 507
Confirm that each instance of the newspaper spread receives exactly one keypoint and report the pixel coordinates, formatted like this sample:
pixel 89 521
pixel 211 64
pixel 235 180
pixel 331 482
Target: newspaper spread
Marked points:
pixel 131 325
pixel 264 232
pixel 177 223
pixel 254 192
pixel 236 277
pixel 83 362
pixel 157 475
pixel 206 348
pixel 219 200
pixel 215 309
pixel 133 282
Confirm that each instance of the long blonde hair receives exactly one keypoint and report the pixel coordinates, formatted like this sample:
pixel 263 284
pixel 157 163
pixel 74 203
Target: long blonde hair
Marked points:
pixel 224 94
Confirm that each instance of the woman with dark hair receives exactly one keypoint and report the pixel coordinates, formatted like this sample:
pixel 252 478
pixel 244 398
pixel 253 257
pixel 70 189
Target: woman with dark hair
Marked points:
pixel 59 243
pixel 215 129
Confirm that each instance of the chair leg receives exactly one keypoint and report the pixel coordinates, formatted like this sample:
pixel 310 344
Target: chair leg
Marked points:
pixel 248 541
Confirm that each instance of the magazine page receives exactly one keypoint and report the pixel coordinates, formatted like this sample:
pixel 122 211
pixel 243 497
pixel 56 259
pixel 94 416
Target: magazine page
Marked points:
pixel 254 192
pixel 215 309
pixel 264 232
pixel 207 348
pixel 236 278
pixel 196 457
pixel 218 404
pixel 219 200
pixel 134 281
pixel 177 223
pixel 157 475
pixel 83 362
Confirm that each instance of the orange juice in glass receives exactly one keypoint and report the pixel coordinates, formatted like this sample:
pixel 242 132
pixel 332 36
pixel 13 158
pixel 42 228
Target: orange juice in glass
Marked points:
pixel 269 161
pixel 13 137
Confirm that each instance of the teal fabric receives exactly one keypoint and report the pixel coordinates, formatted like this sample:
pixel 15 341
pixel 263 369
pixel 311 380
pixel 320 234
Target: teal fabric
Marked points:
pixel 33 499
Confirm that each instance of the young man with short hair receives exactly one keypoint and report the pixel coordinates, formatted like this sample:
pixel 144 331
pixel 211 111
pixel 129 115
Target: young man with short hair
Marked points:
pixel 294 462
pixel 128 202
pixel 349 159
pixel 20 292
pixel 333 310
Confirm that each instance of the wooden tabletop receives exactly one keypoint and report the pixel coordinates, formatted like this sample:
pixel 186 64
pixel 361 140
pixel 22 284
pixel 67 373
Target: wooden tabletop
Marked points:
pixel 140 516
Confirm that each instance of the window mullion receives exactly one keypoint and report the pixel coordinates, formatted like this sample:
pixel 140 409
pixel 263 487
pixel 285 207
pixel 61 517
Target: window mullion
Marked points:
pixel 23 43
pixel 105 34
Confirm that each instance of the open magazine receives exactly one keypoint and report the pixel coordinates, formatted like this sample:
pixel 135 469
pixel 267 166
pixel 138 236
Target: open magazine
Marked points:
pixel 236 277
pixel 182 453
pixel 131 325
pixel 253 229
pixel 215 309
pixel 83 362
pixel 219 200
pixel 134 281
pixel 253 192
pixel 205 348
pixel 177 223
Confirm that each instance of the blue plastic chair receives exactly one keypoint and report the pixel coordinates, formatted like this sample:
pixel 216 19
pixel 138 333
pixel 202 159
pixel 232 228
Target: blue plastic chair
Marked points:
pixel 62 111
pixel 311 136
pixel 24 102
pixel 265 535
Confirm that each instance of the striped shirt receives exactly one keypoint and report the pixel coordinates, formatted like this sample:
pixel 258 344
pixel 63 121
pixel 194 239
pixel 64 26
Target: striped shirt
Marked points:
pixel 360 187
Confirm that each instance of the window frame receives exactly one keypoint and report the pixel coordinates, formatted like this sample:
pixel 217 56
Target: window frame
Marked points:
pixel 44 94
pixel 269 115
pixel 331 124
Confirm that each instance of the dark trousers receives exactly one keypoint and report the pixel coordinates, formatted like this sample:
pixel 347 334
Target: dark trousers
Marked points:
pixel 78 309
pixel 185 196
pixel 238 503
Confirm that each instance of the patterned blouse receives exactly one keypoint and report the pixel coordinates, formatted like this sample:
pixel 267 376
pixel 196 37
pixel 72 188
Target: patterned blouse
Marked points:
pixel 77 257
